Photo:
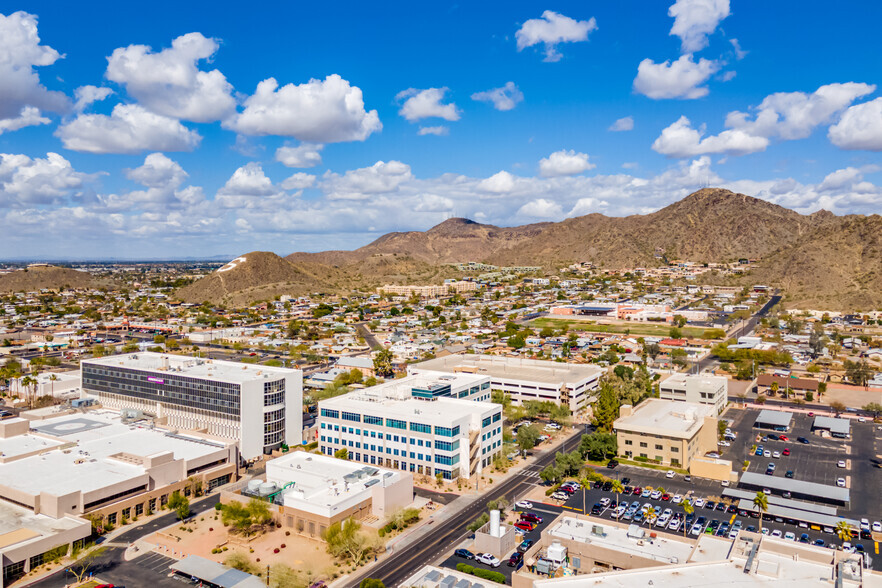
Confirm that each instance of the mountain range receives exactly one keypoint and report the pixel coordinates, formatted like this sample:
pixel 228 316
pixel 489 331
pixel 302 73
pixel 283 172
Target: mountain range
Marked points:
pixel 820 259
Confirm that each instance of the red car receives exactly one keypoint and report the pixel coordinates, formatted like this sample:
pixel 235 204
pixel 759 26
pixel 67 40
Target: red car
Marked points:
pixel 783 438
pixel 666 497
pixel 786 451
pixel 811 414
pixel 637 491
pixel 524 526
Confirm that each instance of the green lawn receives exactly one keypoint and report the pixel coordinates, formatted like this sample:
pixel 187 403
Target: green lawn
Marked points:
pixel 633 329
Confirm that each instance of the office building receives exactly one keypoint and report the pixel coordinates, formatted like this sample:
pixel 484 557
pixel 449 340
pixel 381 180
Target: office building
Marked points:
pixel 700 389
pixel 523 379
pixel 424 424
pixel 666 432
pixel 311 492
pixel 258 406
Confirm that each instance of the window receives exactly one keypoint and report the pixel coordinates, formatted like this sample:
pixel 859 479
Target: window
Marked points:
pixel 628 442
pixel 351 416
pixel 139 509
pixel 372 420
pixel 657 446
pixel 675 449
pixel 331 414
pixel 111 518
pixel 446 432
pixel 446 445
pixel 486 422
pixel 497 417
pixel 642 444
pixel 447 459
pixel 420 428
pixel 396 424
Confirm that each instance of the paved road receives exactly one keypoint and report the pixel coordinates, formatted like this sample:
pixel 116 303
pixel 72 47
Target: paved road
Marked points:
pixel 400 565
pixel 147 570
pixel 743 329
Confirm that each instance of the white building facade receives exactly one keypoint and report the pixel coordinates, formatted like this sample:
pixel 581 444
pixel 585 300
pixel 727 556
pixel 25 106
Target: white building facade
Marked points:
pixel 258 406
pixel 421 424
pixel 700 388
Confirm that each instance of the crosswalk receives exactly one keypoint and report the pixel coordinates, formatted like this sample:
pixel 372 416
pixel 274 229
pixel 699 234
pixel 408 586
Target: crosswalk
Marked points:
pixel 529 473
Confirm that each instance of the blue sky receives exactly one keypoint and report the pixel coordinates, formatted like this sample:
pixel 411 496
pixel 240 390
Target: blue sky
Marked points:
pixel 161 133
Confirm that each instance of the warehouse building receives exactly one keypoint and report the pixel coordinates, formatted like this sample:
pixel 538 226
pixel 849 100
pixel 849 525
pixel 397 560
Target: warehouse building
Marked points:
pixel 423 424
pixel 523 379
pixel 259 407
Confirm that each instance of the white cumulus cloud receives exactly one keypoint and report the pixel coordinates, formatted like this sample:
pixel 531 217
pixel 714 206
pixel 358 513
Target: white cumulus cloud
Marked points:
pixel 86 95
pixel 298 181
pixel 304 155
pixel 859 128
pixel 681 140
pixel 683 78
pixel 694 20
pixel 794 115
pixel 551 30
pixel 319 111
pixel 28 117
pixel 25 181
pixel 541 208
pixel 20 87
pixel 564 163
pixel 358 184
pixel 420 104
pixel 499 183
pixel 170 83
pixel 623 124
pixel 129 129
pixel 504 98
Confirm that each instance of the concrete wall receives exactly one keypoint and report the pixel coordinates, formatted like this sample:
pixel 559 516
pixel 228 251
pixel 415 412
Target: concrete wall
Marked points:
pixel 386 500
pixel 714 469
pixel 501 546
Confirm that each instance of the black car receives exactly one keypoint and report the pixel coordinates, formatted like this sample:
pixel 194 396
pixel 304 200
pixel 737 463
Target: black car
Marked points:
pixel 626 481
pixel 710 505
pixel 803 440
pixel 789 474
pixel 525 545
pixel 721 507
pixel 607 486
pixel 772 436
pixel 714 524
pixel 612 464
pixel 701 520
pixel 732 509
pixel 597 509
pixel 515 559
pixel 597 484
pixel 464 553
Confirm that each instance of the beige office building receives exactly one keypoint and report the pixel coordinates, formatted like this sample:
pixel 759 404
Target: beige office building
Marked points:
pixel 666 431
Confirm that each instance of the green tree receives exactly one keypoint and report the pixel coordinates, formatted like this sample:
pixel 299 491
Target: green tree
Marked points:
pixel 606 409
pixel 551 474
pixel 598 446
pixel 651 514
pixel 688 509
pixel 528 436
pixel 345 540
pixel 858 372
pixel 874 407
pixel 679 320
pixel 618 489
pixel 342 453
pixel 843 531
pixel 179 503
pixel 675 333
pixel 383 362
pixel 761 502
pixel 838 407
pixel 371 583
pixel 85 564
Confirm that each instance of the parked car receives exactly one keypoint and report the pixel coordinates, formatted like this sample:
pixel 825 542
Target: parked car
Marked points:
pixel 531 517
pixel 840 482
pixel 783 438
pixel 786 452
pixel 596 509
pixel 464 553
pixel 699 502
pixel 488 559
pixel 655 494
pixel 612 464
pixel 515 558
pixel 789 474
pixel 524 526
pixel 670 474
pixel 525 545
pixel 840 463
pixel 560 496
pixel 803 440
pixel 605 501
pixel 524 504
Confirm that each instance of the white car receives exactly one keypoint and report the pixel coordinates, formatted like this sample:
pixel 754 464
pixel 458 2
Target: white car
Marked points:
pixel 604 502
pixel 724 444
pixel 554 426
pixel 696 529
pixel 777 533
pixel 656 494
pixel 877 527
pixel 662 521
pixel 488 559
pixel 841 463
pixel 675 525
pixel 790 536
pixel 776 454
pixel 677 499
pixel 840 482
pixel 699 502
pixel 669 474
pixel 724 483
pixel 524 504
pixel 865 524
pixel 560 495
pixel 767 453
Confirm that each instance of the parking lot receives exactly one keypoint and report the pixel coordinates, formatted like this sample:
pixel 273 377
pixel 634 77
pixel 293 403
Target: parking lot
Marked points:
pixel 816 461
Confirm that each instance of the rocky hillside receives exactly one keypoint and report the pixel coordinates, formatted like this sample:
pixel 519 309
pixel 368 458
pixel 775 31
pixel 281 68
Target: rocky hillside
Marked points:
pixel 259 275
pixel 48 277
pixel 820 259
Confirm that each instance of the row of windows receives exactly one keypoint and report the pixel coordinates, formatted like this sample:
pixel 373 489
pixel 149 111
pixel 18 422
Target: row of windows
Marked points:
pixel 447 445
pixel 273 392
pixel 350 416
pixel 398 424
pixel 274 415
pixel 400 465
pixel 674 449
pixel 379 435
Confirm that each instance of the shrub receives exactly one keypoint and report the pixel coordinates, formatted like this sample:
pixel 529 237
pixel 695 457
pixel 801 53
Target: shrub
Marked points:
pixel 489 575
pixel 287 533
pixel 218 506
pixel 381 532
pixel 465 568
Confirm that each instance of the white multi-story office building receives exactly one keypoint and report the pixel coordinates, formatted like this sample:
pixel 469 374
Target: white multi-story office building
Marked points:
pixel 427 424
pixel 258 406
pixel 701 389
pixel 523 379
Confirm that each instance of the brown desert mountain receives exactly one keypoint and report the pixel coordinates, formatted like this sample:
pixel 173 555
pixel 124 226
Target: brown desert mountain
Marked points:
pixel 819 259
pixel 49 277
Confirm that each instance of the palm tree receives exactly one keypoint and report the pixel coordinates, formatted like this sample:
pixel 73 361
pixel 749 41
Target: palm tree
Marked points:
pixel 761 502
pixel 843 531
pixel 618 489
pixel 688 509
pixel 651 515
pixel 584 482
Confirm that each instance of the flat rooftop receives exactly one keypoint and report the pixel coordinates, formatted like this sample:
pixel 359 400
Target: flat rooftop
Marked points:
pixel 208 369
pixel 670 418
pixel 602 534
pixel 513 368
pixel 86 464
pixel 774 418
pixel 393 399
pixel 796 486
pixel 834 425
pixel 324 484
pixel 19 525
